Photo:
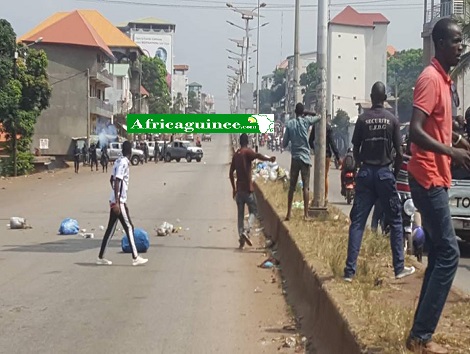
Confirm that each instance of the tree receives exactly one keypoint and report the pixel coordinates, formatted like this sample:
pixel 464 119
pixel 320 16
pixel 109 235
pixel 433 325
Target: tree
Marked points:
pixel 178 105
pixel 278 90
pixel 24 94
pixel 310 79
pixel 265 101
pixel 193 102
pixel 341 130
pixel 403 69
pixel 154 80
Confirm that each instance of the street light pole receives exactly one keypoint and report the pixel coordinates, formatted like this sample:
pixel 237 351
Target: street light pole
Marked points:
pixel 296 52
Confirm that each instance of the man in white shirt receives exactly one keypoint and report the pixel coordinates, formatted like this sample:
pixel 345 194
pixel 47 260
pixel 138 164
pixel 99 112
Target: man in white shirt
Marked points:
pixel 119 211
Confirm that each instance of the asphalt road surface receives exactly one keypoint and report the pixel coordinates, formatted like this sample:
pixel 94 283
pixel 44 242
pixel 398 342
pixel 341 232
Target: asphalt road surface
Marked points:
pixel 195 295
pixel 462 279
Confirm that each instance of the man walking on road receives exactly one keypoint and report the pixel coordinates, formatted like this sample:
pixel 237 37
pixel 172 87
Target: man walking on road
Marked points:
pixel 243 190
pixel 433 147
pixel 76 157
pixel 377 132
pixel 119 211
pixel 297 134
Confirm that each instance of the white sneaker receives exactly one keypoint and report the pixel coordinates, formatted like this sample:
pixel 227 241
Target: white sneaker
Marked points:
pixel 139 260
pixel 406 272
pixel 103 261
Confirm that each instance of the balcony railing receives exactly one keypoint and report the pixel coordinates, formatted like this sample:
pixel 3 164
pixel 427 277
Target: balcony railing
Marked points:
pixel 100 72
pixel 445 9
pixel 101 108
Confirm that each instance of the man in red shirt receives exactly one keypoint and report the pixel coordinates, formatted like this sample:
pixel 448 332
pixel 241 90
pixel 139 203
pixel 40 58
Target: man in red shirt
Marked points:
pixel 433 146
pixel 243 190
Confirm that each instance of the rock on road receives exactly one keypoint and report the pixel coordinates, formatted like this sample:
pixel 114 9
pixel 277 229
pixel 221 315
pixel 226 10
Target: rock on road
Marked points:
pixel 195 295
pixel 462 279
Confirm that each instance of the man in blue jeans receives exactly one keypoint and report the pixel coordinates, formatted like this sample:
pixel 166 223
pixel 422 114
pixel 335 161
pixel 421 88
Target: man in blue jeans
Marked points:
pixel 433 147
pixel 243 190
pixel 376 133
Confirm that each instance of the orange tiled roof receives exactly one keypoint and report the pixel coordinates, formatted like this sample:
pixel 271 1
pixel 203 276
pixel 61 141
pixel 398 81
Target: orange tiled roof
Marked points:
pixel 60 32
pixel 112 36
pixel 350 17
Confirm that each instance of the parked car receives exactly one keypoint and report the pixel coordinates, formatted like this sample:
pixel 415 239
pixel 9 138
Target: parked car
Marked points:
pixel 178 150
pixel 459 202
pixel 206 137
pixel 115 151
pixel 190 137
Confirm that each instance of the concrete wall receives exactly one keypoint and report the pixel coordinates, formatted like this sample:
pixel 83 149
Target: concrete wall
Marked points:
pixel 67 115
pixel 180 85
pixel 347 67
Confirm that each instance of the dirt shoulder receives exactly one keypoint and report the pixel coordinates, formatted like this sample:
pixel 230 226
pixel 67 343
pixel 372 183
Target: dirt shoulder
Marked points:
pixel 378 308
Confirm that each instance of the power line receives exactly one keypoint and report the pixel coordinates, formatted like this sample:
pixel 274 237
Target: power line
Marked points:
pixel 65 79
pixel 200 4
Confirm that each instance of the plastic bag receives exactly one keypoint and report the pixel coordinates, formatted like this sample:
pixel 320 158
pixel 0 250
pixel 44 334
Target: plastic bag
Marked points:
pixel 141 240
pixel 165 229
pixel 17 223
pixel 69 227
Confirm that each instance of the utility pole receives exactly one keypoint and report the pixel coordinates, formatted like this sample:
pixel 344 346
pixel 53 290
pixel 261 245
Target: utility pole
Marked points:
pixel 247 34
pixel 396 96
pixel 296 53
pixel 14 119
pixel 320 141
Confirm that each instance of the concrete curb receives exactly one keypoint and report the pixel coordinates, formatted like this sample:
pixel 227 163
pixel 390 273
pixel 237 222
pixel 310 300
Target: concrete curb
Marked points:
pixel 322 322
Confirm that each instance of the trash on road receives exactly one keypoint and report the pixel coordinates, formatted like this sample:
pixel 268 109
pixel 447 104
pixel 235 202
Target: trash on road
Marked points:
pixel 69 227
pixel 87 235
pixel 290 342
pixel 258 290
pixel 141 240
pixel 165 229
pixel 269 263
pixel 17 223
pixel 101 227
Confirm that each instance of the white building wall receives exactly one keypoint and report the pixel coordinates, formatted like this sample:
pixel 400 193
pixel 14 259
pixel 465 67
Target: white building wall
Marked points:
pixel 119 95
pixel 180 84
pixel 356 59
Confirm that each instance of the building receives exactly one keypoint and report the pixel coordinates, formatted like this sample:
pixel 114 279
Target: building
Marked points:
pixel 156 39
pixel 305 60
pixel 357 58
pixel 180 84
pixel 119 94
pixel 79 76
pixel 433 11
pixel 70 59
pixel 267 82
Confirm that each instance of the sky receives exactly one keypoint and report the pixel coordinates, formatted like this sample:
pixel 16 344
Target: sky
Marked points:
pixel 202 33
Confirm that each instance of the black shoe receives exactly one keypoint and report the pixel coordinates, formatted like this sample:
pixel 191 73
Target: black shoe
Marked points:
pixel 247 239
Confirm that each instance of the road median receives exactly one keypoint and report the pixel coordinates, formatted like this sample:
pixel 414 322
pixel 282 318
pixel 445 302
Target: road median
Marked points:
pixel 371 315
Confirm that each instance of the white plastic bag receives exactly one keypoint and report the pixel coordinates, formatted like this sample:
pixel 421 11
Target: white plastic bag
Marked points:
pixel 17 223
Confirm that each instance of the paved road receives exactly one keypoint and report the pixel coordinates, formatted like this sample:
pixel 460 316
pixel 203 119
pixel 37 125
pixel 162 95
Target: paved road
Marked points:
pixel 196 294
pixel 462 280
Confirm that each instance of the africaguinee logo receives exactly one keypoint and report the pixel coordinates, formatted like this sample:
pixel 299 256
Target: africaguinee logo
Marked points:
pixel 200 123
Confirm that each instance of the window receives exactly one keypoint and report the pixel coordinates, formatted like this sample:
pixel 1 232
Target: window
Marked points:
pixel 354 98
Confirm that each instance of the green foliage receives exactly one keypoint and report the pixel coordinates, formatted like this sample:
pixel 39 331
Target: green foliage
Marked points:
pixel 310 79
pixel 193 102
pixel 24 164
pixel 154 80
pixel 403 69
pixel 341 120
pixel 24 94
